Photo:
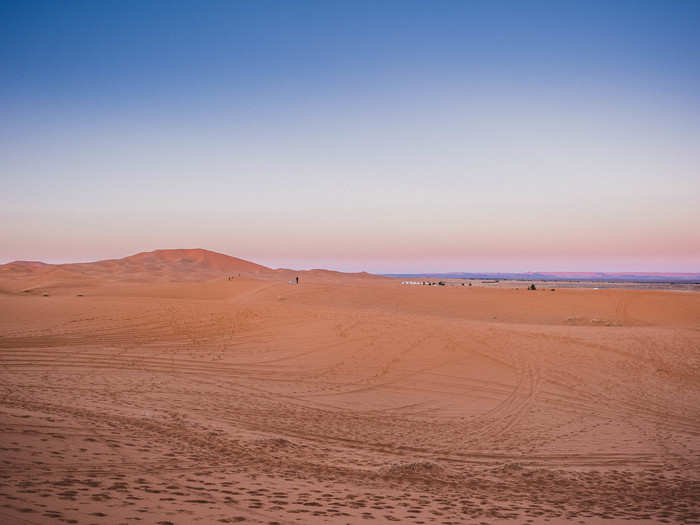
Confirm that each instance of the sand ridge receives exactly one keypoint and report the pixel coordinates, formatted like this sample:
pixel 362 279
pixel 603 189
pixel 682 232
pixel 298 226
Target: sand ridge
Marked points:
pixel 347 400
pixel 157 266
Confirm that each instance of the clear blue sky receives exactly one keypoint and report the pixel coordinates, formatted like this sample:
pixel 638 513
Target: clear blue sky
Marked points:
pixel 386 136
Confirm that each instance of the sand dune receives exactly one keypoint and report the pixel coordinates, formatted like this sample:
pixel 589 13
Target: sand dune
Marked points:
pixel 148 267
pixel 158 265
pixel 343 400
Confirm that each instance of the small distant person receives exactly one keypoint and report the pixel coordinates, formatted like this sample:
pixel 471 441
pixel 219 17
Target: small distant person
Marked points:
pixel 297 279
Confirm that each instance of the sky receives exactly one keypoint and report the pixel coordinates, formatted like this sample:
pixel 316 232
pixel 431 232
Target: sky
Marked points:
pixel 381 136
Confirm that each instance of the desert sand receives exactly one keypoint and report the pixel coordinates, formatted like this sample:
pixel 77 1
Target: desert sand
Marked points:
pixel 186 388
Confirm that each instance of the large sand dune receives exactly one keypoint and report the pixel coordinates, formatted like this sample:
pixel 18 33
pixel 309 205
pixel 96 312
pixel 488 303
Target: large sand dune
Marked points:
pixel 147 267
pixel 342 400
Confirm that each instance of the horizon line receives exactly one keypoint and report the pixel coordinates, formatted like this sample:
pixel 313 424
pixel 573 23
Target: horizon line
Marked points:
pixel 385 274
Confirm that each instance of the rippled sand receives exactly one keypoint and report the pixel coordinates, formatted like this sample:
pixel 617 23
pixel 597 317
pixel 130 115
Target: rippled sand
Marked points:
pixel 348 401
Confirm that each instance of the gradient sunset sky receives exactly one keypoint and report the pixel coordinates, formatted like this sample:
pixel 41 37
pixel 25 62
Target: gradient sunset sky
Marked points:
pixel 380 136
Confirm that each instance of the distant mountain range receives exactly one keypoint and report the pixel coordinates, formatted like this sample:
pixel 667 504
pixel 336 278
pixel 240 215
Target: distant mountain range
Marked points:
pixel 621 277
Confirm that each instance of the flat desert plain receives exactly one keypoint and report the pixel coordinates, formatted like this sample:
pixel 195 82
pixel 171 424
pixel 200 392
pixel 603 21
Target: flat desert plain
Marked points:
pixel 347 400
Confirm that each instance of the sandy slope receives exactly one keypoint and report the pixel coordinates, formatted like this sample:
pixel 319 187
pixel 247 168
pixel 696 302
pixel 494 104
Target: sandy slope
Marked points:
pixel 347 401
pixel 147 267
